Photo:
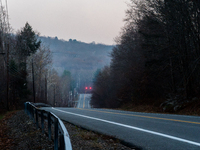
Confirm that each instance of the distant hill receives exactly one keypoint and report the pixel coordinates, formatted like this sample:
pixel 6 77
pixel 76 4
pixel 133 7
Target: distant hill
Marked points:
pixel 76 56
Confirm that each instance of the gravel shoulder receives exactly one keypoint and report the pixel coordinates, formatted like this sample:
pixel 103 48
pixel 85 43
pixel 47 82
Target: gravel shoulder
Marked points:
pixel 17 132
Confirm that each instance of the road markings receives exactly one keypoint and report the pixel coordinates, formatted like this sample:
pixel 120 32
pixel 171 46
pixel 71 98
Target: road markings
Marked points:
pixel 143 116
pixel 84 102
pixel 78 101
pixel 132 127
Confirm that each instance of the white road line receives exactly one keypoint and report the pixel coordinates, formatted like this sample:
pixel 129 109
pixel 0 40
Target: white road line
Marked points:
pixel 79 101
pixel 132 127
pixel 84 101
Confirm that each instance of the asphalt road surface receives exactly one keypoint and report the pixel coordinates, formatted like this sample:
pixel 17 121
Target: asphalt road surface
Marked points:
pixel 144 130
pixel 84 101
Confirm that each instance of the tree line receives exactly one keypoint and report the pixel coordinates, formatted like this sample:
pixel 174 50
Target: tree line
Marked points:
pixel 157 56
pixel 26 72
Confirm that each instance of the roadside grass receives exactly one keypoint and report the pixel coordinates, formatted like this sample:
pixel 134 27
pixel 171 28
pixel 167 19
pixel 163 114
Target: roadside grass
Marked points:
pixel 94 136
pixel 88 135
pixel 82 138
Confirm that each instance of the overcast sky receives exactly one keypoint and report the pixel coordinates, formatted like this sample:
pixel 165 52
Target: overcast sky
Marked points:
pixel 84 20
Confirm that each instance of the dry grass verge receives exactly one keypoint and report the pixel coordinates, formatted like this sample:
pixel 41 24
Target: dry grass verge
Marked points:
pixel 18 132
pixel 82 139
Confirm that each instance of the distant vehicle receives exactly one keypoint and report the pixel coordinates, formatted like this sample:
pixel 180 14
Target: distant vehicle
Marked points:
pixel 88 89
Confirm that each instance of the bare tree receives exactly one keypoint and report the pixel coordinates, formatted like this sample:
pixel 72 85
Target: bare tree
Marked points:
pixel 42 61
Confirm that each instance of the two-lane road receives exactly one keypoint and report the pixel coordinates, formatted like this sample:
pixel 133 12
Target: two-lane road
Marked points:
pixel 84 101
pixel 144 130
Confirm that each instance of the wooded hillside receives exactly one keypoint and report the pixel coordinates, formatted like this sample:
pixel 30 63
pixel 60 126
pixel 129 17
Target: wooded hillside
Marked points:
pixel 157 57
pixel 81 59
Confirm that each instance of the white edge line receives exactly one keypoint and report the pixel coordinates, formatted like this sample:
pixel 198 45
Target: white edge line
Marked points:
pixel 132 127
pixel 79 102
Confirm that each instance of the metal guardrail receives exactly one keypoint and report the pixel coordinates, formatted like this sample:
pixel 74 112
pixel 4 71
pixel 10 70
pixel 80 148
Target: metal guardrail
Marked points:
pixel 61 136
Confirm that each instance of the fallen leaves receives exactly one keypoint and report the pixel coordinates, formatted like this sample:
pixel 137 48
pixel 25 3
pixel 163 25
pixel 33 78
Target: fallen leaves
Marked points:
pixel 5 140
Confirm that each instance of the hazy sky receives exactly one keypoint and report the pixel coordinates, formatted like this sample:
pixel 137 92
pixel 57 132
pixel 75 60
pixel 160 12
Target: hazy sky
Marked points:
pixel 84 20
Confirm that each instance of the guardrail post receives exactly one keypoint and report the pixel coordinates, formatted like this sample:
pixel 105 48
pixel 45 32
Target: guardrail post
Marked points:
pixel 49 125
pixel 56 134
pixel 33 114
pixel 42 120
pixel 25 107
pixel 62 143
pixel 36 113
pixel 61 139
pixel 28 109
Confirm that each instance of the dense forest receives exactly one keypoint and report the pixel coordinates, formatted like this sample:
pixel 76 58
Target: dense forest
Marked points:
pixel 157 57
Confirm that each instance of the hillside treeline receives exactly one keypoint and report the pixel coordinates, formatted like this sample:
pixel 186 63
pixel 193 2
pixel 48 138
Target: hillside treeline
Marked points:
pixel 74 55
pixel 26 72
pixel 157 56
pixel 81 59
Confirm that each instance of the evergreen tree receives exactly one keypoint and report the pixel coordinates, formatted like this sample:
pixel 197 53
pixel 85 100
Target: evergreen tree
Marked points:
pixel 27 44
pixel 28 41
